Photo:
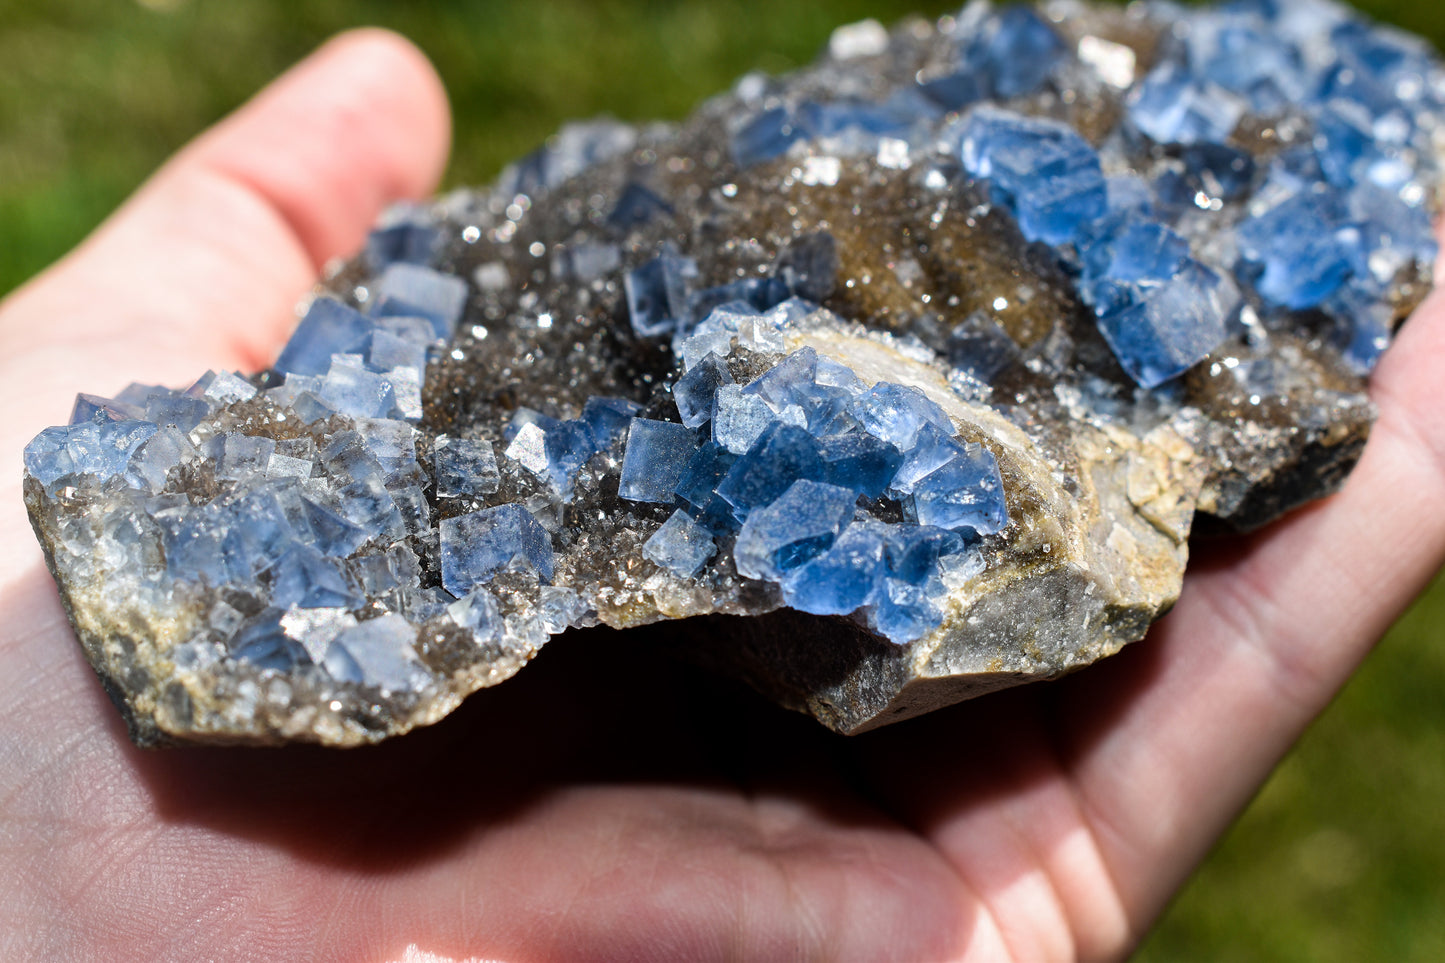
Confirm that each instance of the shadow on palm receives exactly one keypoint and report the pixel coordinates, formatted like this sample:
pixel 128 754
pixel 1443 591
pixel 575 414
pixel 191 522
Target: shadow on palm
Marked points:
pixel 600 708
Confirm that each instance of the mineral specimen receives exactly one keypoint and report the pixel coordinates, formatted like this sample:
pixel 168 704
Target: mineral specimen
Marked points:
pixel 927 358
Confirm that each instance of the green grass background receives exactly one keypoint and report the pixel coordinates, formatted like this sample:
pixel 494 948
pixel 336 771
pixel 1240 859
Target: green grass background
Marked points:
pixel 1340 857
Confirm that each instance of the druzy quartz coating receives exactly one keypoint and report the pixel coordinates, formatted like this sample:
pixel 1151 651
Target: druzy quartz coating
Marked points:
pixel 926 359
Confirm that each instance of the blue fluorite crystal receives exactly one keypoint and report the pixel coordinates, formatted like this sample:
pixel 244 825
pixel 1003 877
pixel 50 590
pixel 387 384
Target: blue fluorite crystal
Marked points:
pixel 766 136
pixel 681 545
pixel 328 329
pixel 741 418
pixel 798 526
pixel 1042 170
pixel 465 466
pixel 843 578
pixel 376 653
pixel 608 419
pixel 897 413
pixel 409 237
pixel 1012 53
pixel 782 455
pixel 658 452
pixel 902 612
pixel 478 545
pixel 860 462
pixel 657 293
pixel 410 290
pixel 1165 329
pixel 914 551
pixel 307 579
pixel 696 391
pixel 1174 108
pixel 932 448
pixel 965 494
pixel 636 206
pixel 101 449
pixel 697 486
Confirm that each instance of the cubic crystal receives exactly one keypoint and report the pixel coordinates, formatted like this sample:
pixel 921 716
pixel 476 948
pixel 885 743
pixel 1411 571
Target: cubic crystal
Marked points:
pixel 681 546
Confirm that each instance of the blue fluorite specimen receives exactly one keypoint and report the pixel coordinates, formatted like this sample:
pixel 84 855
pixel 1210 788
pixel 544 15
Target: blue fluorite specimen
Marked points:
pixel 857 342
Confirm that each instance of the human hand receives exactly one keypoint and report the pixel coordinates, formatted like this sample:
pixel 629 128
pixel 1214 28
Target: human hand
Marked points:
pixel 601 804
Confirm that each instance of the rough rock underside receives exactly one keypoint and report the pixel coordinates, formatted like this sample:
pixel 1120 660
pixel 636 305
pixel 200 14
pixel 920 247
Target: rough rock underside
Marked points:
pixel 938 349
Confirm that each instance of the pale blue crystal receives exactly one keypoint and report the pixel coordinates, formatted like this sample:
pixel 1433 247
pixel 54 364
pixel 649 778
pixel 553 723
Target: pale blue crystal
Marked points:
pixel 637 205
pixel 657 293
pixel 696 391
pixel 904 613
pixel 240 456
pixel 914 551
pixel 766 136
pixel 305 578
pixel 378 652
pixel 351 389
pixel 843 578
pixel 411 290
pixel 575 148
pixel 368 505
pixel 860 462
pixel 93 407
pixel 798 526
pixel 933 448
pixel 476 546
pixel 782 455
pixel 46 456
pixel 1174 108
pixel 741 418
pixel 1174 327
pixel 966 493
pixel 981 347
pixel 262 642
pixel 478 611
pixel 178 410
pixel 332 534
pixel 568 446
pixel 699 480
pixel 412 239
pixel 465 467
pixel 1042 170
pixel 329 328
pixel 166 449
pixel 897 413
pixel 681 545
pixel 657 453
pixel 390 350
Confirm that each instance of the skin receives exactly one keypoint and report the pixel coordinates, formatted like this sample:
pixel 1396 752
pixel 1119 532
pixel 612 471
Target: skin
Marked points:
pixel 591 808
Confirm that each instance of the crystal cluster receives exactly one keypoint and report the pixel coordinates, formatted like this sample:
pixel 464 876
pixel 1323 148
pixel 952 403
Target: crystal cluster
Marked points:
pixel 928 358
pixel 791 456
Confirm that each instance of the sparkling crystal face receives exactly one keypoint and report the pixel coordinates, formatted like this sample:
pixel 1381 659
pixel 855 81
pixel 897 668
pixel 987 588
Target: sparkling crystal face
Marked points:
pixel 951 335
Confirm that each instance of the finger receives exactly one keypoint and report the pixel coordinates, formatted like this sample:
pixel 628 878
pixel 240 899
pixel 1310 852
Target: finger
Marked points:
pixel 1263 637
pixel 204 265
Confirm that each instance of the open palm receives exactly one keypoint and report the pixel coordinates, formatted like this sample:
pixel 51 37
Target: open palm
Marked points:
pixel 609 803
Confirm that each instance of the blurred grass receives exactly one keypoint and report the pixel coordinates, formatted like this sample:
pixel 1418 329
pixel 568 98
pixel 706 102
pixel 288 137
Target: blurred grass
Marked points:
pixel 1342 854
